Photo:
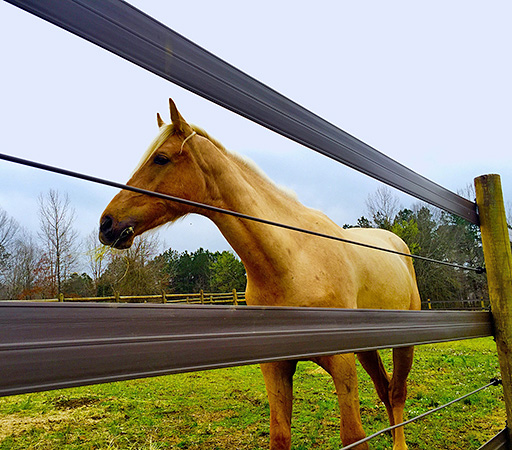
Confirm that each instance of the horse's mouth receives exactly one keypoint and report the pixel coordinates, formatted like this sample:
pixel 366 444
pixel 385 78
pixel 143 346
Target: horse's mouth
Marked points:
pixel 116 235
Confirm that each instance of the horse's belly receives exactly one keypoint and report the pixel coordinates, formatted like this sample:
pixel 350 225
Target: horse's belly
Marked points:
pixel 395 291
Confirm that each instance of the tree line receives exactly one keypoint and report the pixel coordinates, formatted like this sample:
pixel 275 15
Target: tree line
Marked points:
pixel 51 262
pixel 437 235
pixel 48 263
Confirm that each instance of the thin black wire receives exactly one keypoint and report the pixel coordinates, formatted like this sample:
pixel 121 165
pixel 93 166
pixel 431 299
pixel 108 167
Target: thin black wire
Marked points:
pixel 198 205
pixel 494 382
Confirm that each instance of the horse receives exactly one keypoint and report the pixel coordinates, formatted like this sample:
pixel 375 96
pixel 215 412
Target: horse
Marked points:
pixel 284 268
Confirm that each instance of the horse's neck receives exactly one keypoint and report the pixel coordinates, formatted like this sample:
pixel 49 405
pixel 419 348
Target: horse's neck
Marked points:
pixel 263 249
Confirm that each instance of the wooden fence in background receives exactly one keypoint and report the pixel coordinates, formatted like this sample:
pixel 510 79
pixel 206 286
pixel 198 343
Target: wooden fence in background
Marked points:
pixel 238 298
pixel 201 297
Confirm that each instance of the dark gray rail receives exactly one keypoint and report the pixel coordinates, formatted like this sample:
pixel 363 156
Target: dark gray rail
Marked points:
pixel 131 34
pixel 498 442
pixel 46 346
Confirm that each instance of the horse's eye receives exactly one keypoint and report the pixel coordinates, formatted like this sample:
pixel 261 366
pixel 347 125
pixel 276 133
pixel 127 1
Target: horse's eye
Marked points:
pixel 161 160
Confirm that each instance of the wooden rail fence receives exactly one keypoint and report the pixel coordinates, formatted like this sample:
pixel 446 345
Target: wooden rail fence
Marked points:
pixel 203 298
pixel 238 298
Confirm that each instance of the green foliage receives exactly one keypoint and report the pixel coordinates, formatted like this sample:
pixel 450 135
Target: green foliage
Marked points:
pixel 362 222
pixel 406 227
pixel 202 269
pixel 78 286
pixel 227 273
pixel 193 272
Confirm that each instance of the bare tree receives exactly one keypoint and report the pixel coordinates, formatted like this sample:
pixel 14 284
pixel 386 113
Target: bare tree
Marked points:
pixel 21 276
pixel 8 229
pixel 134 271
pixel 383 206
pixel 96 260
pixel 59 239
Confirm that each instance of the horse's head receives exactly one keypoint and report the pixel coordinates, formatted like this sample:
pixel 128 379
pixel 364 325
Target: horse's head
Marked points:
pixel 172 165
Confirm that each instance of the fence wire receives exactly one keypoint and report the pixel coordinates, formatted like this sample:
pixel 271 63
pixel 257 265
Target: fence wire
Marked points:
pixel 493 382
pixel 206 207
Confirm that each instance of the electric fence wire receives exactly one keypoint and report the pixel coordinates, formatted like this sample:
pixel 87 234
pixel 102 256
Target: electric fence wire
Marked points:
pixel 211 208
pixel 493 382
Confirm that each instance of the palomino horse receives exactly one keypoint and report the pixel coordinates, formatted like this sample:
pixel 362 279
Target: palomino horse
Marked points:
pixel 284 268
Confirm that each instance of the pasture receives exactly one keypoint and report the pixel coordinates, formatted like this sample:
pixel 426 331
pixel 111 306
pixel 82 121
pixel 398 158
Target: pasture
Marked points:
pixel 228 409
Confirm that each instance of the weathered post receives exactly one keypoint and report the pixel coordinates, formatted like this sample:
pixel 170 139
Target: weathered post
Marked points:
pixel 498 264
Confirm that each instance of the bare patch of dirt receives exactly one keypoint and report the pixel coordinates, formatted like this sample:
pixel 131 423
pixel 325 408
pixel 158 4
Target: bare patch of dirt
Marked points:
pixel 16 425
pixel 73 403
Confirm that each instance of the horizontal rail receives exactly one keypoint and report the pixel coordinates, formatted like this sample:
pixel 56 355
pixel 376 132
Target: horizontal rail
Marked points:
pixel 47 346
pixel 135 36
pixel 498 442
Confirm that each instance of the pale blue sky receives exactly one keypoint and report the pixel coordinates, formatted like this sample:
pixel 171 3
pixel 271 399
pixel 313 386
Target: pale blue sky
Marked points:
pixel 426 83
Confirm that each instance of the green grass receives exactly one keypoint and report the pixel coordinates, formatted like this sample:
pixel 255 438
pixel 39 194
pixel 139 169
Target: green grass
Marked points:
pixel 227 409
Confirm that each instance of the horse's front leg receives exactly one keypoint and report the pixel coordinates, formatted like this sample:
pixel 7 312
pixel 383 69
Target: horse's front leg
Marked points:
pixel 279 383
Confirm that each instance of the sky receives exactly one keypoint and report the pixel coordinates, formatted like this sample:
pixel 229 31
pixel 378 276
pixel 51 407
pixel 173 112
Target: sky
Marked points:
pixel 428 84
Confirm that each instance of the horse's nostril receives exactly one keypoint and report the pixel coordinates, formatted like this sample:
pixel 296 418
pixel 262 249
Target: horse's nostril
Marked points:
pixel 106 224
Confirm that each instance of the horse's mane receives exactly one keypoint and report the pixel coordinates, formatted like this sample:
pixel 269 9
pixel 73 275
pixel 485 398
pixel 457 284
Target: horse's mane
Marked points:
pixel 167 130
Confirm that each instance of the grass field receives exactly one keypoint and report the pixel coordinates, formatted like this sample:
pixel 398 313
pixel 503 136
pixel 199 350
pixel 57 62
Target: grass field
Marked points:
pixel 227 409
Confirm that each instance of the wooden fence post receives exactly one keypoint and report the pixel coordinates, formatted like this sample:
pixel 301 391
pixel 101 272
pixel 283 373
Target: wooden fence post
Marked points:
pixel 235 297
pixel 498 264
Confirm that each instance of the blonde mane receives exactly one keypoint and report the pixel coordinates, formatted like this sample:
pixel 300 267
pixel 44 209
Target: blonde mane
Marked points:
pixel 167 130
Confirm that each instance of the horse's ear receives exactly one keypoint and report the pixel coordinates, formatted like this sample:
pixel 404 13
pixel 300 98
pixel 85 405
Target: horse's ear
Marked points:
pixel 177 120
pixel 159 120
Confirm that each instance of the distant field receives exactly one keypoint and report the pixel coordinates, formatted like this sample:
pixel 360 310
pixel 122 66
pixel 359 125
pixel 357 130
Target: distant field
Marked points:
pixel 227 409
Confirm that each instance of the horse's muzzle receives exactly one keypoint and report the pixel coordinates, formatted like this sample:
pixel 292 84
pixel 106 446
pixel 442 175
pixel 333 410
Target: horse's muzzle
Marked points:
pixel 116 234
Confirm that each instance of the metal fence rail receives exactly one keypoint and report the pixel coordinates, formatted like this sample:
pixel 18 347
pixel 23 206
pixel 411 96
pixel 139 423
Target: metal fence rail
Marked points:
pixel 47 346
pixel 131 34
pixel 498 442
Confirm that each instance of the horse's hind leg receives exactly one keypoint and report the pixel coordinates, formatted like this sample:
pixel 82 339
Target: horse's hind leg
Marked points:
pixel 402 363
pixel 279 383
pixel 342 368
pixel 391 390
pixel 372 363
